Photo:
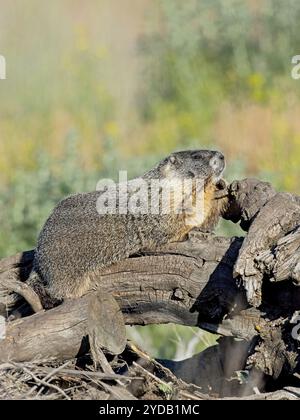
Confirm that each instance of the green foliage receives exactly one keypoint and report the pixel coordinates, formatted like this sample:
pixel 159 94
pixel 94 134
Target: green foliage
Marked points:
pixel 26 202
pixel 171 341
pixel 212 48
pixel 207 53
pixel 166 390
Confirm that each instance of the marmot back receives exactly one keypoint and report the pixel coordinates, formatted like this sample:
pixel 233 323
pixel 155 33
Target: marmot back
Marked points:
pixel 77 241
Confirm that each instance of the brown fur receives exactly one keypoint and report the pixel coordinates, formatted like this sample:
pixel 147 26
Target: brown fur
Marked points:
pixel 76 242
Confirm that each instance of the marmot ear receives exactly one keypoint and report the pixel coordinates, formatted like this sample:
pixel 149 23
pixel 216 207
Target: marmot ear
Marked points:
pixel 173 159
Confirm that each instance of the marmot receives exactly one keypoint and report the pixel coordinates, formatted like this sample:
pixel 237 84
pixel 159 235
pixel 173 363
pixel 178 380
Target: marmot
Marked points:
pixel 76 241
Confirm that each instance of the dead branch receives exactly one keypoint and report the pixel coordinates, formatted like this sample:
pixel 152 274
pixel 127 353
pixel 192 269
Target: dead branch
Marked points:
pixel 191 283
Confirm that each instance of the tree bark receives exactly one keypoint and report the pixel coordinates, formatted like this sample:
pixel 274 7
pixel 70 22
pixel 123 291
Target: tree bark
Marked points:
pixel 207 281
pixel 189 283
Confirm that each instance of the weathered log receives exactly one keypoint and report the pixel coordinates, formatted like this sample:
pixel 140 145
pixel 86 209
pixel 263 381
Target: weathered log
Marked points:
pixel 282 261
pixel 190 283
pixel 268 217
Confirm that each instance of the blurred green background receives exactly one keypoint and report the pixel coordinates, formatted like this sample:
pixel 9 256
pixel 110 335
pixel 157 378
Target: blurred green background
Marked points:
pixel 94 87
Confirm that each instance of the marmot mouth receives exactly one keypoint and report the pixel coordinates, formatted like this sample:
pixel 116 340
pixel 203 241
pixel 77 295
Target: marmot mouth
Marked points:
pixel 218 177
pixel 221 189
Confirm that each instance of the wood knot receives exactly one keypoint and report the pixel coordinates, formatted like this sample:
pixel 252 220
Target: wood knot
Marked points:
pixel 178 294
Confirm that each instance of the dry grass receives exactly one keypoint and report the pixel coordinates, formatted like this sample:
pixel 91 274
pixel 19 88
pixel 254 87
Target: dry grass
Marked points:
pixel 63 382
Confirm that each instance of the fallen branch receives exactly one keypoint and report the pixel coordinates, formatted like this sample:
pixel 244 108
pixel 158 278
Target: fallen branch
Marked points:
pixel 190 283
pixel 168 287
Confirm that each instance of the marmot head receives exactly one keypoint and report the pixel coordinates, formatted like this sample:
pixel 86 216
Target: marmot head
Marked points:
pixel 188 164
